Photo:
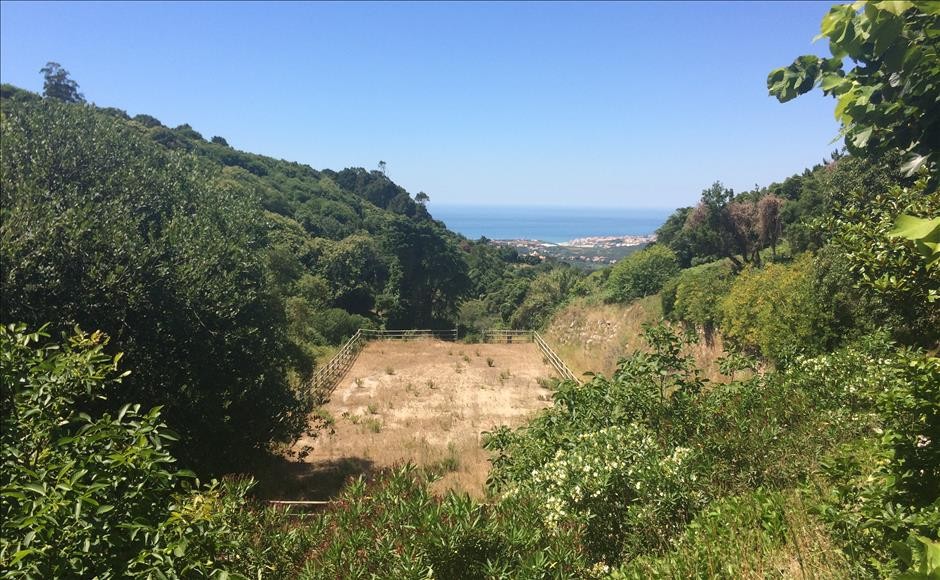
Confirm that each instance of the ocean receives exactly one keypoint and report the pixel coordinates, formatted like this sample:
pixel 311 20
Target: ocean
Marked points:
pixel 548 223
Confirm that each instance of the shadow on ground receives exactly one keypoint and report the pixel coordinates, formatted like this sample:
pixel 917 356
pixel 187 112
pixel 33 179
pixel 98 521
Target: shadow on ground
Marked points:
pixel 280 478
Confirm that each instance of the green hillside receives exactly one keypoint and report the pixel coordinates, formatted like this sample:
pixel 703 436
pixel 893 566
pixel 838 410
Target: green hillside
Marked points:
pixel 165 299
pixel 225 275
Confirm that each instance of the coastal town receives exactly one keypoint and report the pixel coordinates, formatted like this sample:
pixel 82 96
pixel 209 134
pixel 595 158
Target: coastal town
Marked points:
pixel 588 252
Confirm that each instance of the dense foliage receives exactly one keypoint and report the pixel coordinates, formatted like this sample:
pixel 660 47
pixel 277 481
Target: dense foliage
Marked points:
pixel 104 229
pixel 642 274
pixel 87 495
pixel 773 311
pixel 223 275
pixel 694 296
pixel 887 100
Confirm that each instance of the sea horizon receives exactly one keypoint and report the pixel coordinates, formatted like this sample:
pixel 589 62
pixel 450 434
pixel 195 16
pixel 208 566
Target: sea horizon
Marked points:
pixel 554 223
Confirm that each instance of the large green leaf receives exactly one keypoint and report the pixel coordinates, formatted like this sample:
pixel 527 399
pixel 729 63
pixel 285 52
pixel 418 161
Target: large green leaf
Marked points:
pixel 915 228
pixel 896 7
pixel 925 233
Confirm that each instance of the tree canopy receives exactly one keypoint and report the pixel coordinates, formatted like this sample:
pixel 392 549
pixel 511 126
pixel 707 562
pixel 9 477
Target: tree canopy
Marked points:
pixel 58 85
pixel 884 73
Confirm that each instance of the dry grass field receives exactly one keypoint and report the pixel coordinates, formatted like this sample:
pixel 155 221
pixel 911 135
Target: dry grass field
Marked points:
pixel 425 401
pixel 591 336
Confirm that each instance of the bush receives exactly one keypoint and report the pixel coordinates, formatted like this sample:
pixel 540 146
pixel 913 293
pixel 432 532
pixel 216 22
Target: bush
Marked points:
pixel 774 311
pixel 74 485
pixel 698 294
pixel 632 459
pixel 105 229
pixel 89 494
pixel 890 267
pixel 629 493
pixel 642 274
pixel 746 536
pixel 394 527
pixel 884 491
pixel 547 292
pixel 336 325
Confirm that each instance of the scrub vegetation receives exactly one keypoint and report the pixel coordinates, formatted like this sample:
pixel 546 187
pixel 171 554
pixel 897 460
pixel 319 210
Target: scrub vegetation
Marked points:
pixel 165 299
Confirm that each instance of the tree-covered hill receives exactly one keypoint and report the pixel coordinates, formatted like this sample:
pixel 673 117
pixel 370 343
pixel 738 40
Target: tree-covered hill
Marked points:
pixel 224 274
pixel 817 455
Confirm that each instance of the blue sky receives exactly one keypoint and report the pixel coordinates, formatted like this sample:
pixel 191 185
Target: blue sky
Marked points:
pixel 626 104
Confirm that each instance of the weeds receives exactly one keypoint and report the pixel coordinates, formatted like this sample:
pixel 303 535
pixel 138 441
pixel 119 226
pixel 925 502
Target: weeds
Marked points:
pixel 447 464
pixel 324 417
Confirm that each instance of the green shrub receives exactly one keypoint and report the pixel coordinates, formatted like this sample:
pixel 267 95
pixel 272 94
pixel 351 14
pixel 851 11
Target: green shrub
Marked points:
pixel 86 493
pixel 641 274
pixel 394 527
pixel 774 311
pixel 103 228
pixel 667 297
pixel 699 293
pixel 629 493
pixel 80 494
pixel 336 325
pixel 546 293
pixel 585 458
pixel 746 536
pixel 890 267
pixel 884 490
pixel 475 318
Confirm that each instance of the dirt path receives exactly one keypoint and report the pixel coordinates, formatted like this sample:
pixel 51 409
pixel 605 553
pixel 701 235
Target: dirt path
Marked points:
pixel 424 401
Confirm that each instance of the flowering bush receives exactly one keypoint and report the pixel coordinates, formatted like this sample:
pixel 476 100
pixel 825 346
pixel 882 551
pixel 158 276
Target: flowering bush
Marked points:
pixel 628 493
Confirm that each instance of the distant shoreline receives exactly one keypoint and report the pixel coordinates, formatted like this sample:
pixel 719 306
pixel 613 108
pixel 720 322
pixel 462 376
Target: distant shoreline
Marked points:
pixel 589 252
pixel 586 242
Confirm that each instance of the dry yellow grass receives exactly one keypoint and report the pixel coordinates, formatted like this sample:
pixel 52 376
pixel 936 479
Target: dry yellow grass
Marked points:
pixel 427 402
pixel 593 336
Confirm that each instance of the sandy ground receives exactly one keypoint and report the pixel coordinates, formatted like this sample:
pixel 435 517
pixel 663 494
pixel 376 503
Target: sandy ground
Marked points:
pixel 425 401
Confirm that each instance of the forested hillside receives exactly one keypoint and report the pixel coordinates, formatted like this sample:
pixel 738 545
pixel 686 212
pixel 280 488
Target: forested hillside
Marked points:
pixel 225 275
pixel 165 297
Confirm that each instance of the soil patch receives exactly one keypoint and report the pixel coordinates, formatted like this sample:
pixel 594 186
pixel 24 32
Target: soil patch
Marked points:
pixel 424 401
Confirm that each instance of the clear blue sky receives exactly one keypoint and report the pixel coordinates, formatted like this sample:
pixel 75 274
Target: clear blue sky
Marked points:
pixel 587 103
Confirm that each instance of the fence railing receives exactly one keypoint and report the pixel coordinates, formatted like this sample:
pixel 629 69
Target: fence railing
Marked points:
pixel 510 336
pixel 553 359
pixel 409 334
pixel 507 336
pixel 326 377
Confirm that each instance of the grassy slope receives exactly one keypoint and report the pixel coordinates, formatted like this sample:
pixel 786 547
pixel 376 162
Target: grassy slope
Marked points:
pixel 592 336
